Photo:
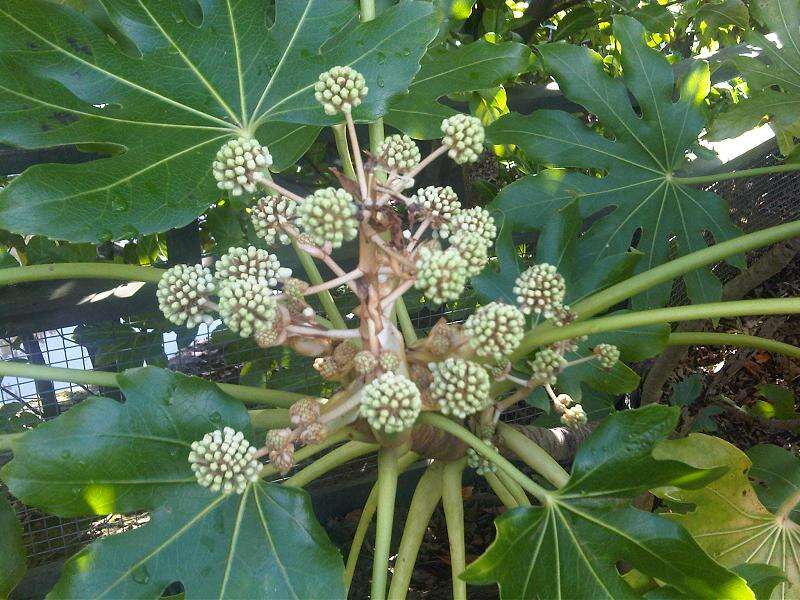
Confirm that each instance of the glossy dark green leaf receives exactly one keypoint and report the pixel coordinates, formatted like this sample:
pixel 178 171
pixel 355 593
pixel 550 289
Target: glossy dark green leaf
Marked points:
pixel 264 543
pixel 685 392
pixel 776 476
pixel 116 346
pixel 104 456
pixel 569 547
pixel 762 579
pixel 453 70
pixel 636 192
pixel 776 402
pixel 12 550
pixel 195 75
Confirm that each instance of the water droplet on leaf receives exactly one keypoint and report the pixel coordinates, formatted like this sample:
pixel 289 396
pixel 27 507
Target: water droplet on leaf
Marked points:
pixel 381 82
pixel 141 575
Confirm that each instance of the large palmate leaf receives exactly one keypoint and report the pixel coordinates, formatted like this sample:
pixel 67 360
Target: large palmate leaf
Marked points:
pixel 776 473
pixel 728 520
pixel 637 193
pixel 197 73
pixel 773 77
pixel 12 551
pixel 104 456
pixel 452 70
pixel 569 547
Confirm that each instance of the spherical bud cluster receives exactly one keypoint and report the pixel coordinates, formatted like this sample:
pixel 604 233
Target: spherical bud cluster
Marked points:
pixel 562 402
pixel 315 433
pixel 247 307
pixel 250 263
pixel 441 274
pixel 294 293
pixel 472 248
pixel 280 449
pixel 459 387
pixel 495 330
pixel 271 215
pixel 183 293
pixel 327 367
pixel 329 215
pixel 364 362
pixel 439 204
pixel 574 416
pixel 270 337
pixel 391 403
pixel 476 220
pixel 239 164
pixel 546 366
pixel 278 439
pixel 399 152
pixel 304 412
pixel 540 290
pixel 344 353
pixel 389 361
pixel 481 465
pixel 224 461
pixel 463 136
pixel 607 355
pixel 340 89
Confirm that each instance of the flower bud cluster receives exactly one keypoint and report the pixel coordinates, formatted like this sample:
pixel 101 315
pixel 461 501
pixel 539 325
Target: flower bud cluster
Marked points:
pixel 280 449
pixel 224 461
pixel 463 137
pixel 607 355
pixel 540 290
pixel 250 263
pixel 439 204
pixel 441 274
pixel 329 216
pixel 546 365
pixel 495 330
pixel 270 217
pixel 239 164
pixel 399 152
pixel 391 403
pixel 340 89
pixel 248 306
pixel 481 465
pixel 574 416
pixel 183 294
pixel 459 387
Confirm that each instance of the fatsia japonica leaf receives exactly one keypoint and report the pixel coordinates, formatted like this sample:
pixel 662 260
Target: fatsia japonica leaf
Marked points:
pixel 453 70
pixel 569 547
pixel 12 550
pixel 636 192
pixel 728 519
pixel 198 73
pixel 776 475
pixel 773 77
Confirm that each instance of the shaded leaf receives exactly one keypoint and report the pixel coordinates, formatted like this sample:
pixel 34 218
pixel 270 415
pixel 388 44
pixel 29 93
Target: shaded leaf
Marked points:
pixel 685 392
pixel 762 579
pixel 12 550
pixel 776 476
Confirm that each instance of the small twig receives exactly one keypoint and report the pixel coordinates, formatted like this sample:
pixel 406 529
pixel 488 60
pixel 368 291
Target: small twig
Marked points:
pixel 336 334
pixel 396 293
pixel 280 189
pixel 360 175
pixel 428 160
pixel 341 280
pixel 418 234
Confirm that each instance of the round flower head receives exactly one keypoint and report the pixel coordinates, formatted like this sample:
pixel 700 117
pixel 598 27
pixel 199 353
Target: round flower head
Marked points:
pixel 475 220
pixel 364 362
pixel 304 412
pixel 340 89
pixel 314 433
pixel 271 215
pixel 250 263
pixel 441 274
pixel 391 403
pixel 607 355
pixel 574 416
pixel 247 306
pixel 329 215
pixel 399 152
pixel 389 361
pixel 439 204
pixel 481 465
pixel 224 461
pixel 472 248
pixel 459 387
pixel 327 367
pixel 278 439
pixel 239 164
pixel 546 366
pixel 495 330
pixel 540 290
pixel 562 402
pixel 183 293
pixel 344 353
pixel 463 136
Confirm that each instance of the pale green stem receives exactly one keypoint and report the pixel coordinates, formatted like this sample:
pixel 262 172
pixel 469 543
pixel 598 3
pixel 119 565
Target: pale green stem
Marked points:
pixel 541 336
pixel 514 489
pixel 340 135
pixel 324 296
pixel 714 177
pixel 637 284
pixel 334 458
pixel 376 135
pixel 453 505
pixel 423 503
pixel 407 327
pixel 387 489
pixel 370 505
pixel 445 424
pixel 80 271
pixel 367 10
pixel 501 491
pixel 309 451
pixel 269 418
pixel 244 393
pixel 532 455
pixel 702 338
pixel 7 440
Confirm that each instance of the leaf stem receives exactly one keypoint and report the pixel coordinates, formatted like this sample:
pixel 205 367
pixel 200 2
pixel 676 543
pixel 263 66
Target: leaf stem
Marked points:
pixel 423 503
pixel 387 489
pixel 501 491
pixel 543 336
pixel 330 461
pixel 445 424
pixel 739 340
pixel 514 489
pixel 269 418
pixel 532 455
pixel 404 319
pixel 244 393
pixel 714 177
pixel 315 278
pixel 309 451
pixel 80 271
pixel 340 135
pixel 453 505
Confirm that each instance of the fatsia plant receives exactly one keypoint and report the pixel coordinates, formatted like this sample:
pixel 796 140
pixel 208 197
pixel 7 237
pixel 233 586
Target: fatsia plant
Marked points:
pixel 207 471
